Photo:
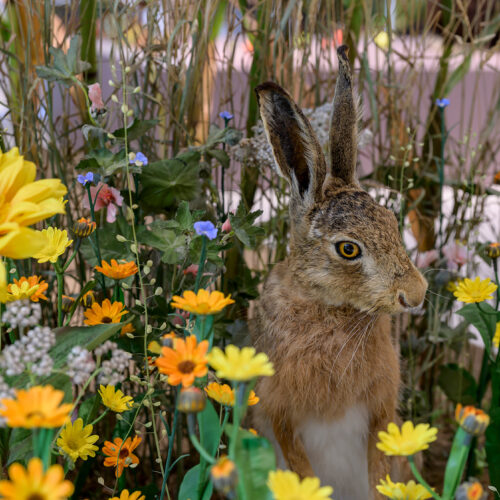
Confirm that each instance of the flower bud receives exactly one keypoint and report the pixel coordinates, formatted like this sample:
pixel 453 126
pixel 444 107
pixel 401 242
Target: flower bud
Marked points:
pixel 471 490
pixel 224 475
pixel 67 303
pixel 472 420
pixel 88 299
pixel 83 227
pixel 191 400
pixel 493 250
pixel 226 227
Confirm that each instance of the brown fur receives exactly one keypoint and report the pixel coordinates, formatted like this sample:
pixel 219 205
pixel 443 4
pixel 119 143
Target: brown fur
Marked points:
pixel 323 320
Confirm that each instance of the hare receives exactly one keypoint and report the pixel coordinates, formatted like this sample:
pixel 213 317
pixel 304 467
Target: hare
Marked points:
pixel 323 316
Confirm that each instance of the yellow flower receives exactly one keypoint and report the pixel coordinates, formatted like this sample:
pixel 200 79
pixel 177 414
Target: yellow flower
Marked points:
pixel 115 400
pixel 286 485
pixel 39 406
pixel 125 495
pixel 496 337
pixel 76 440
pixel 106 313
pixel 33 483
pixel 452 286
pixel 382 40
pixel 55 244
pixel 474 291
pixel 224 395
pixel 117 271
pixel 204 302
pixel 240 364
pixel 32 288
pixel 3 283
pixel 24 201
pixel 401 491
pixel 471 419
pixel 408 441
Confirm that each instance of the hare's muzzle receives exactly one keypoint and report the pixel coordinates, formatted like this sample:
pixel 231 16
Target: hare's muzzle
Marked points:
pixel 412 296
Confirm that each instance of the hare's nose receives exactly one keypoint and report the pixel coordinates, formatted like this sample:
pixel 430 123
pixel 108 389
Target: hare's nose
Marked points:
pixel 412 299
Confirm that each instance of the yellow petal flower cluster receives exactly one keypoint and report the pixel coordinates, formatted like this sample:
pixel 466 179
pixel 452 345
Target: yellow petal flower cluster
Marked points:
pixel 55 243
pixel 76 440
pixel 470 291
pixel 3 283
pixel 114 399
pixel 32 287
pixel 23 202
pixel 286 485
pixel 240 364
pixel 402 491
pixel 407 441
pixel 204 302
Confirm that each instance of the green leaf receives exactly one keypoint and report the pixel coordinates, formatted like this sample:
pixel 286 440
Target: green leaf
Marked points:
pixel 106 162
pixel 484 321
pixel 167 241
pixel 220 155
pixel 136 130
pixel 189 486
pixel 493 447
pixel 184 217
pixel 242 224
pixel 458 384
pixel 458 75
pixel 208 422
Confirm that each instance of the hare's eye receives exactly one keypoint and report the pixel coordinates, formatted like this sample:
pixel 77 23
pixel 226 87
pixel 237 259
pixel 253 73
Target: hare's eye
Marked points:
pixel 348 249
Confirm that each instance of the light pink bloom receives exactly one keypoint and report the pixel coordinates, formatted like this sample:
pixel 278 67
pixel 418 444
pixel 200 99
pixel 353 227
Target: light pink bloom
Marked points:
pixel 427 258
pixel 226 227
pixel 95 96
pixel 456 253
pixel 107 197
pixel 192 269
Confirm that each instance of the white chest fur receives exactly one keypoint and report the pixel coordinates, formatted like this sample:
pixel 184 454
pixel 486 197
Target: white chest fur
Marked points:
pixel 337 451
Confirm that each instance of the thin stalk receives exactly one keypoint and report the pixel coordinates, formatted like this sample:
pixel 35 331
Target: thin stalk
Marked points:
pixel 60 291
pixel 420 479
pixel 170 450
pixel 192 436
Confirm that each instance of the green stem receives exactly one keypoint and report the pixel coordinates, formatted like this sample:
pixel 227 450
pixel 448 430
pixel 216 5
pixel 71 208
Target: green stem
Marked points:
pixel 192 436
pixel 201 265
pixel 75 251
pixel 495 270
pixel 60 291
pixel 96 248
pixel 170 451
pixel 100 417
pixel 420 479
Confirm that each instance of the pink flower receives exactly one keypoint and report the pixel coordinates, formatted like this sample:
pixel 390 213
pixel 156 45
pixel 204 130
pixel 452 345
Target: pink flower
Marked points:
pixel 226 227
pixel 456 253
pixel 108 197
pixel 95 96
pixel 427 258
pixel 192 269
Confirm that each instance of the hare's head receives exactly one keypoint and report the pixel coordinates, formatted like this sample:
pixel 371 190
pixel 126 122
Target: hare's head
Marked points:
pixel 345 248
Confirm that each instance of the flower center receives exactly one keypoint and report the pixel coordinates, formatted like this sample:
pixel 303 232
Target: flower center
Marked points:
pixel 36 496
pixel 106 319
pixel 186 366
pixel 124 453
pixel 33 414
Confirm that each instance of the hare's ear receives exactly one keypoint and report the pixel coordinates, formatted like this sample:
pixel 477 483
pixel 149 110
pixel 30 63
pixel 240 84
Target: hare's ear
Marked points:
pixel 344 124
pixel 295 147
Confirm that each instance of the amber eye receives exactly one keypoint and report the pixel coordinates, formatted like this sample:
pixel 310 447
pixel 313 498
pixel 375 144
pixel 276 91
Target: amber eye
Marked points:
pixel 348 250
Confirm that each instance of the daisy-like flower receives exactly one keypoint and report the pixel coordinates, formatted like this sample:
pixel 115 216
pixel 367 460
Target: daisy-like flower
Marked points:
pixel 107 312
pixel 240 364
pixel 452 286
pixel 55 244
pixel 496 337
pixel 114 399
pixel 104 196
pixel 119 453
pixel 286 485
pixel 32 288
pixel 407 441
pixel 224 394
pixel 35 484
pixel 128 328
pixel 402 491
pixel 184 362
pixel 472 420
pixel 39 406
pixel 125 495
pixel 117 271
pixel 475 291
pixel 76 441
pixel 23 202
pixel 224 475
pixel 204 302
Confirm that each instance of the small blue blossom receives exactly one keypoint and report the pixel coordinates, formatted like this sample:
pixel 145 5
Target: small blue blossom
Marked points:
pixel 226 115
pixel 205 228
pixel 83 179
pixel 442 103
pixel 138 159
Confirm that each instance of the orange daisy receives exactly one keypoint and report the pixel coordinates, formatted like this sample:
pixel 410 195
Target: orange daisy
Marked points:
pixel 184 362
pixel 119 453
pixel 35 286
pixel 203 302
pixel 128 328
pixel 117 271
pixel 107 312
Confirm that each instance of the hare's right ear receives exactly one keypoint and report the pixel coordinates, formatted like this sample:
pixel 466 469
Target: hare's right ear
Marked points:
pixel 295 147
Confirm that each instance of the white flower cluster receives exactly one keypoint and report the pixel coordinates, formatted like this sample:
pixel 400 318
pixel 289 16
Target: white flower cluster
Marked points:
pixel 80 364
pixel 32 350
pixel 114 369
pixel 22 313
pixel 6 392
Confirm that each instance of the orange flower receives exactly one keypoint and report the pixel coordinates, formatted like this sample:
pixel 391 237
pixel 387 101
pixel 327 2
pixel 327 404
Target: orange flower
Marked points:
pixel 472 420
pixel 117 271
pixel 496 179
pixel 105 313
pixel 128 328
pixel 119 453
pixel 186 361
pixel 204 302
pixel 31 282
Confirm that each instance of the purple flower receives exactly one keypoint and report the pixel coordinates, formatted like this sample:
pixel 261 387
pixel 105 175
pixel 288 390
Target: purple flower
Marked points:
pixel 138 159
pixel 226 115
pixel 205 228
pixel 442 103
pixel 83 179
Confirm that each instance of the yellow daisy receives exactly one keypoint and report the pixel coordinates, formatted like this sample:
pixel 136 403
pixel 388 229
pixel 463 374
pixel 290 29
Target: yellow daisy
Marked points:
pixel 408 441
pixel 117 271
pixel 125 495
pixel 24 201
pixel 107 312
pixel 35 484
pixel 76 441
pixel 402 491
pixel 286 485
pixel 32 288
pixel 204 302
pixel 114 399
pixel 240 364
pixel 224 394
pixel 474 291
pixel 55 244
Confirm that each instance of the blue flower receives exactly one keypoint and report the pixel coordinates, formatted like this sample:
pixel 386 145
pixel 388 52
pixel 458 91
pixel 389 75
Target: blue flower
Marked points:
pixel 205 228
pixel 83 179
pixel 138 159
pixel 226 115
pixel 442 103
